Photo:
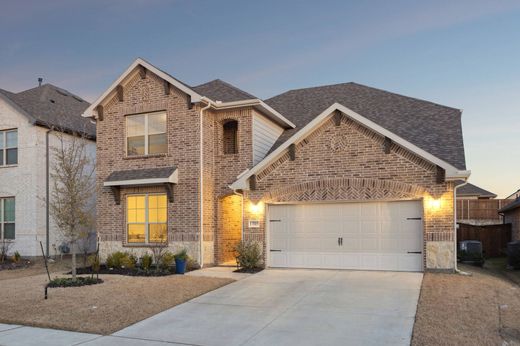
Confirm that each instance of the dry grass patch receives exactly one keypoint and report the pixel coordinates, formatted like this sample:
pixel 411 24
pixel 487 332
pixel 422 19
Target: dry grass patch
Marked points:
pixel 104 308
pixel 482 309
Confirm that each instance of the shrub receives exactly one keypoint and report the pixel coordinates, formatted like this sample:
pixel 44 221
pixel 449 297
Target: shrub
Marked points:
pixel 191 264
pixel 182 255
pixel 70 282
pixel 129 261
pixel 146 262
pixel 249 254
pixel 166 260
pixel 93 261
pixel 121 259
pixel 16 257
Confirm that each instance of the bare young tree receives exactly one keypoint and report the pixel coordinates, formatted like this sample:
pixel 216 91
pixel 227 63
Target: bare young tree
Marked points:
pixel 5 246
pixel 73 189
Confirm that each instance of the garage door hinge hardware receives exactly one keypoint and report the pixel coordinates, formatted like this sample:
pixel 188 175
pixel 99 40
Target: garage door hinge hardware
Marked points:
pixel 414 251
pixel 414 218
pixel 340 241
pixel 275 220
pixel 275 250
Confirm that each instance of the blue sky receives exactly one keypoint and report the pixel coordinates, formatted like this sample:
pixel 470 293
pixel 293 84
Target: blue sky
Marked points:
pixel 464 54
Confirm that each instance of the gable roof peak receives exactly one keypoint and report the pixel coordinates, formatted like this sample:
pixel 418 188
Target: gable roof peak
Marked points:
pixel 219 90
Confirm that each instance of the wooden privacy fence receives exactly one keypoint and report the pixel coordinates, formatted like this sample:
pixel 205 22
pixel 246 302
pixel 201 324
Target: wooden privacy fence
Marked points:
pixel 494 238
pixel 479 209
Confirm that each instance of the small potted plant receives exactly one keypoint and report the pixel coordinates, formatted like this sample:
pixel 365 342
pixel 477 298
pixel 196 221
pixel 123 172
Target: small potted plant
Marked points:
pixel 181 258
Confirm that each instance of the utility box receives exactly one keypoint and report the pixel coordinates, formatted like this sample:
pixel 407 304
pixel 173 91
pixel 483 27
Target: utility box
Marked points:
pixel 470 251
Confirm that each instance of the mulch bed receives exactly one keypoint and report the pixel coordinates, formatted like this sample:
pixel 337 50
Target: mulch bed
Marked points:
pixel 70 282
pixel 10 265
pixel 129 272
pixel 249 271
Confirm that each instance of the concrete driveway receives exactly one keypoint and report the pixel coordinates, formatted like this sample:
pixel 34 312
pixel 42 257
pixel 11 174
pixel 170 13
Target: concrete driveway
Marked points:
pixel 289 307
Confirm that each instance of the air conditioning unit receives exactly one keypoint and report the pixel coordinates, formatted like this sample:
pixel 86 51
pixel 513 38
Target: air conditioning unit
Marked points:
pixel 470 251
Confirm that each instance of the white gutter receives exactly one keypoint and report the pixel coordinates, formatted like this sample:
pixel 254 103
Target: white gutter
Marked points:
pixel 455 226
pixel 201 182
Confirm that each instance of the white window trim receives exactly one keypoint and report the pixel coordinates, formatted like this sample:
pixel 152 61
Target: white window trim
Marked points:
pixel 147 222
pixel 2 217
pixel 4 149
pixel 146 134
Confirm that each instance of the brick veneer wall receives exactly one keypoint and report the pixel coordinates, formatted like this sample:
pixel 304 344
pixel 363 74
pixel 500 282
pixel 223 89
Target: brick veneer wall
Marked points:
pixel 229 227
pixel 513 217
pixel 226 169
pixel 147 95
pixel 348 163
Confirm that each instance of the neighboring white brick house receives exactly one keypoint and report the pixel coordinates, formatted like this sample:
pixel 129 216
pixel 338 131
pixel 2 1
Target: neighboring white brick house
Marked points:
pixel 25 118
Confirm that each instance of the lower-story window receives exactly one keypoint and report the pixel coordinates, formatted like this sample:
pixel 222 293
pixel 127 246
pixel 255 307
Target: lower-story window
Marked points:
pixel 7 218
pixel 146 218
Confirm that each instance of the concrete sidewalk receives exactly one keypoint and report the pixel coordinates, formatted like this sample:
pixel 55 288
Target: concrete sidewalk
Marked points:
pixel 15 335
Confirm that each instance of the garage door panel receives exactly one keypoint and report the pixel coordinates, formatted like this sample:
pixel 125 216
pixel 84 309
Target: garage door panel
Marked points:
pixel 389 245
pixel 350 245
pixel 369 210
pixel 370 227
pixel 369 245
pixel 375 235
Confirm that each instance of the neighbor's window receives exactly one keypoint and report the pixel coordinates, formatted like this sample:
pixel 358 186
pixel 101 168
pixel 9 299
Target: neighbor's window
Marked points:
pixel 146 134
pixel 7 218
pixel 8 147
pixel 230 130
pixel 146 218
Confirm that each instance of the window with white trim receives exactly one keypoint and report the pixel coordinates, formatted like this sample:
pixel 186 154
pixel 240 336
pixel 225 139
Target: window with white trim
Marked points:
pixel 146 218
pixel 7 217
pixel 8 147
pixel 146 134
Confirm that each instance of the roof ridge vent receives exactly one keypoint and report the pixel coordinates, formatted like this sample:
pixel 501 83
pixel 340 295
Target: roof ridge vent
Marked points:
pixel 61 92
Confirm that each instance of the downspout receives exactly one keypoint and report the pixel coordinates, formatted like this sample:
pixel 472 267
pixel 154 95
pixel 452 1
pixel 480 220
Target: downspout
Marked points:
pixel 201 182
pixel 47 193
pixel 455 226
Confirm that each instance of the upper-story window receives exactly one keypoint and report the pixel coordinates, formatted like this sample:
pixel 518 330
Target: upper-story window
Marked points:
pixel 8 147
pixel 230 140
pixel 146 134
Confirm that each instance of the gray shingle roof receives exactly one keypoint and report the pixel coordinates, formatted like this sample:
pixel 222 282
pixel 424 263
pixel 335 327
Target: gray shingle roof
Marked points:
pixel 218 90
pixel 510 206
pixel 51 106
pixel 145 173
pixel 434 128
pixel 473 190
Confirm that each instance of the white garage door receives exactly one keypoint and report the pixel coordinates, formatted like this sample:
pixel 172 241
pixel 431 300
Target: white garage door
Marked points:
pixel 367 236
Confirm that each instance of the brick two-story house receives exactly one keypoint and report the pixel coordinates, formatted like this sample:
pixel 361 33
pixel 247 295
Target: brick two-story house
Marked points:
pixel 339 176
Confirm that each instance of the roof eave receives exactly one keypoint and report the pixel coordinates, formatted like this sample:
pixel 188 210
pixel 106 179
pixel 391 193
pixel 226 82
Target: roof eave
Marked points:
pixel 256 103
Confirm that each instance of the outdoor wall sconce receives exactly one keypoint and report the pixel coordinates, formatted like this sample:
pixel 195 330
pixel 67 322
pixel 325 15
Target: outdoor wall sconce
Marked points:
pixel 435 204
pixel 256 208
